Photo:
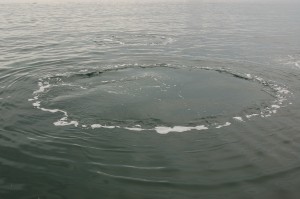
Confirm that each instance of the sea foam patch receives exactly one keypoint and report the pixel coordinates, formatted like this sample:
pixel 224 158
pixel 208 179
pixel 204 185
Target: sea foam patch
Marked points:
pixel 165 130
pixel 159 98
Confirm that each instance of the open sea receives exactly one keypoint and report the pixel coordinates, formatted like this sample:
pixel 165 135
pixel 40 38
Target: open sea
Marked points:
pixel 150 100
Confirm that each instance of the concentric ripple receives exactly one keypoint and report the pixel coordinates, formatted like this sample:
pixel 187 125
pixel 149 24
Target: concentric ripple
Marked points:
pixel 159 97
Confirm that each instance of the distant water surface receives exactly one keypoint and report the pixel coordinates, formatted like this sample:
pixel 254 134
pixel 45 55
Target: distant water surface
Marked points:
pixel 150 100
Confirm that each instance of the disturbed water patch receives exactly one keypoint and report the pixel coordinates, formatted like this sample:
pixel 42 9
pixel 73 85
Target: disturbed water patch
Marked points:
pixel 159 97
pixel 291 60
pixel 134 39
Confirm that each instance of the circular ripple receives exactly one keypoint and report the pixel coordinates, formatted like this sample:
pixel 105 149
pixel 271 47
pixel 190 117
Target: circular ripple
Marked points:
pixel 159 97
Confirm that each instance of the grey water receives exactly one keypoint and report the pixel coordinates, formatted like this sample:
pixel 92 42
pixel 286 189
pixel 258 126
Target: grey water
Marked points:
pixel 183 99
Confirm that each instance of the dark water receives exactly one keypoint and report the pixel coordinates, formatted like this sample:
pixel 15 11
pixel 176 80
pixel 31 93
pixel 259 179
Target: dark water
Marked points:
pixel 150 100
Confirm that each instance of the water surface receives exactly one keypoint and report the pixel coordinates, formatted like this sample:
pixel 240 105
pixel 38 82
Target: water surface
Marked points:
pixel 149 100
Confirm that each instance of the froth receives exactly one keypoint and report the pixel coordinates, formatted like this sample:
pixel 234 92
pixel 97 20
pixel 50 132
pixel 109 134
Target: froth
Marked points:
pixel 238 119
pixel 65 123
pixel 165 130
pixel 223 125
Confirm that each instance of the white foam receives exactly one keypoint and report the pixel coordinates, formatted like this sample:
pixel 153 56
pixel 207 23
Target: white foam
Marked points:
pixel 200 127
pixel 239 119
pixel 73 85
pixel 165 130
pixel 109 127
pixel 42 88
pixel 259 79
pixel 35 98
pixel 53 110
pixel 223 125
pixel 275 106
pixel 36 104
pixel 65 123
pixel 135 129
pixel 94 126
pixel 283 90
pixel 252 115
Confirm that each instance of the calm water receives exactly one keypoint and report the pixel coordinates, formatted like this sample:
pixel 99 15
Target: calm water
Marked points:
pixel 150 100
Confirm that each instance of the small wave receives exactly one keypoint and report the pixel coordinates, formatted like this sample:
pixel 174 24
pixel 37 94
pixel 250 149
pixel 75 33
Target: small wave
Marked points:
pixel 129 166
pixel 134 39
pixel 143 180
